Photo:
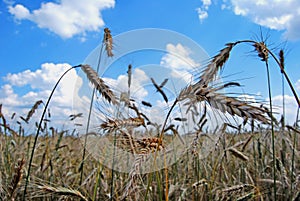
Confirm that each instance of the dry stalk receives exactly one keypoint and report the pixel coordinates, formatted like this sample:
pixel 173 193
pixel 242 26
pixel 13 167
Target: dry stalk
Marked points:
pixel 247 142
pixel 159 88
pixel 99 84
pixel 122 123
pixel 238 154
pixel 237 188
pixel 2 117
pixel 130 139
pixel 16 180
pixel 134 173
pixel 201 182
pixel 144 147
pixel 234 192
pixel 269 181
pixel 61 191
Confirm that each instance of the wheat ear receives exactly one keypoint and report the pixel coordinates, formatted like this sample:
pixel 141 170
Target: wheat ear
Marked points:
pixel 262 50
pixel 119 123
pixel 108 41
pixel 99 84
pixel 215 64
pixel 144 147
pixel 32 110
pixel 62 191
pixel 231 105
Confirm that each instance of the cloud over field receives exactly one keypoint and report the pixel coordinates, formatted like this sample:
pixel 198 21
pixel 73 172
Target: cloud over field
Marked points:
pixel 279 15
pixel 178 59
pixel 65 18
pixel 23 89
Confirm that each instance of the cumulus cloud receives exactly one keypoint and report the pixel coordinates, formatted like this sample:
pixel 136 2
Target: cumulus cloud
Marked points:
pixel 290 108
pixel 178 57
pixel 278 15
pixel 23 89
pixel 67 17
pixel 179 60
pixel 202 11
pixel 19 11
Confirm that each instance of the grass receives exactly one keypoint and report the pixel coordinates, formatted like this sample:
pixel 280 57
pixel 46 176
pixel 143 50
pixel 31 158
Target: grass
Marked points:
pixel 260 163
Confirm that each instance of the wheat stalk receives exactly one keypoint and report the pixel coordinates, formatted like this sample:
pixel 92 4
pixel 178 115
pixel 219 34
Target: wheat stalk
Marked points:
pixel 217 62
pixel 99 84
pixel 121 123
pixel 32 110
pixel 159 88
pixel 237 188
pixel 134 173
pixel 231 105
pixel 269 181
pixel 61 191
pixel 145 147
pixel 108 41
pixel 15 182
pixel 238 154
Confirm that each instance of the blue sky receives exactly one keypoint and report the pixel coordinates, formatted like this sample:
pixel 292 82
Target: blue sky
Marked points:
pixel 41 39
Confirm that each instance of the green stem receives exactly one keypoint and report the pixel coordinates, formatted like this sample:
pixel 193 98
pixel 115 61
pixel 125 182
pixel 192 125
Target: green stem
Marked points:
pixel 279 65
pixel 88 121
pixel 39 128
pixel 286 77
pixel 283 102
pixel 272 128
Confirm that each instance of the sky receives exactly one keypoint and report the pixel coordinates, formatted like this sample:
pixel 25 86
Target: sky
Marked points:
pixel 42 39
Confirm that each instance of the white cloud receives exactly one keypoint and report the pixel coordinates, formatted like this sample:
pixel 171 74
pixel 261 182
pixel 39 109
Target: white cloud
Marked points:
pixel 278 15
pixel 290 108
pixel 178 57
pixel 202 11
pixel 206 3
pixel 202 14
pixel 37 85
pixel 19 11
pixel 7 96
pixel 179 60
pixel 67 17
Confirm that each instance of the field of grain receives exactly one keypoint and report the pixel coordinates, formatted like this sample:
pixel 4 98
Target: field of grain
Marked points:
pixel 245 162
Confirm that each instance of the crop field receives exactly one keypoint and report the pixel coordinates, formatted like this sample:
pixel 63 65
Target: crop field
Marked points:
pixel 129 157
